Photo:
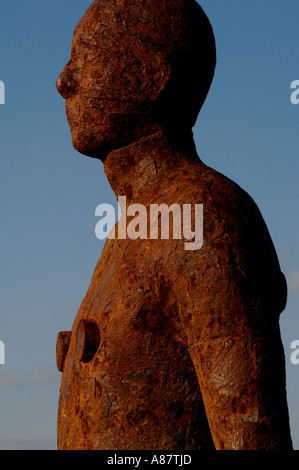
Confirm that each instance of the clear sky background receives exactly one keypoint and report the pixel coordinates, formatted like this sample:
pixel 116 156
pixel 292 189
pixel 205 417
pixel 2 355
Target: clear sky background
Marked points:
pixel 248 130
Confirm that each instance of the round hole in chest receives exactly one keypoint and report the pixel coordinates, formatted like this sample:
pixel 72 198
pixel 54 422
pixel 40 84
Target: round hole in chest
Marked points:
pixel 88 340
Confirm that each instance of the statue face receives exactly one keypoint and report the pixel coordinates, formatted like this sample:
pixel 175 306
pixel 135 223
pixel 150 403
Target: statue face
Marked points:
pixel 134 69
pixel 108 84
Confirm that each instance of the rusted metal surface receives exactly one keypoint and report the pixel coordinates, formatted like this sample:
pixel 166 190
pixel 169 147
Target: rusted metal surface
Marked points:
pixel 171 349
pixel 62 347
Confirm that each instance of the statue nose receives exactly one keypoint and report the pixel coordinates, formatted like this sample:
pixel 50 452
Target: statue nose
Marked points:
pixel 65 84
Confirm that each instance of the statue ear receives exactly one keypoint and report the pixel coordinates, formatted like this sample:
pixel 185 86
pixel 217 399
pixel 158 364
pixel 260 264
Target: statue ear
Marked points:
pixel 172 105
pixel 154 76
pixel 183 91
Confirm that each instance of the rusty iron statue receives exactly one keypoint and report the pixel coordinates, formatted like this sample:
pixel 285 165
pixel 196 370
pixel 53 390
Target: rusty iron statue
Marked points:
pixel 172 349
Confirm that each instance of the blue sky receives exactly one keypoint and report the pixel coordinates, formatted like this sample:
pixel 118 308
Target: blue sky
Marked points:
pixel 248 130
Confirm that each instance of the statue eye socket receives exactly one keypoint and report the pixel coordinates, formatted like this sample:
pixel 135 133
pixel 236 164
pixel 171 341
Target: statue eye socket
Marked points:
pixel 88 340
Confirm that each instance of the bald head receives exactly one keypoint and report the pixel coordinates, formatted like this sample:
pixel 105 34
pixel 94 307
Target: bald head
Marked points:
pixel 136 67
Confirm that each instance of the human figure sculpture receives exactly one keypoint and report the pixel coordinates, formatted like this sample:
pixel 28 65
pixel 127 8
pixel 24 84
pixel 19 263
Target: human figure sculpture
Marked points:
pixel 172 349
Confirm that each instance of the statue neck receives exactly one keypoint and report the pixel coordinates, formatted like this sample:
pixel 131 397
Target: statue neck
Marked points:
pixel 138 170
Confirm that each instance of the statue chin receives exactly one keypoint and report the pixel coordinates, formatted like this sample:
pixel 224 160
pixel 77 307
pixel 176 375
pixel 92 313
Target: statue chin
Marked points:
pixel 90 147
pixel 120 132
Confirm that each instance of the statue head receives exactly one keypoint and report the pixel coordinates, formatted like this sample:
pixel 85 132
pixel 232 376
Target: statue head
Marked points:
pixel 136 67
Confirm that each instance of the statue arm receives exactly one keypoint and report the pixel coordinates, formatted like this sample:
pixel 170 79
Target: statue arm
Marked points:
pixel 241 376
pixel 234 341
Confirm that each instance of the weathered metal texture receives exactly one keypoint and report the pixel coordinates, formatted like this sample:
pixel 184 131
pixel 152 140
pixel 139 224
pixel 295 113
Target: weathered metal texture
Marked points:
pixel 62 347
pixel 171 349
